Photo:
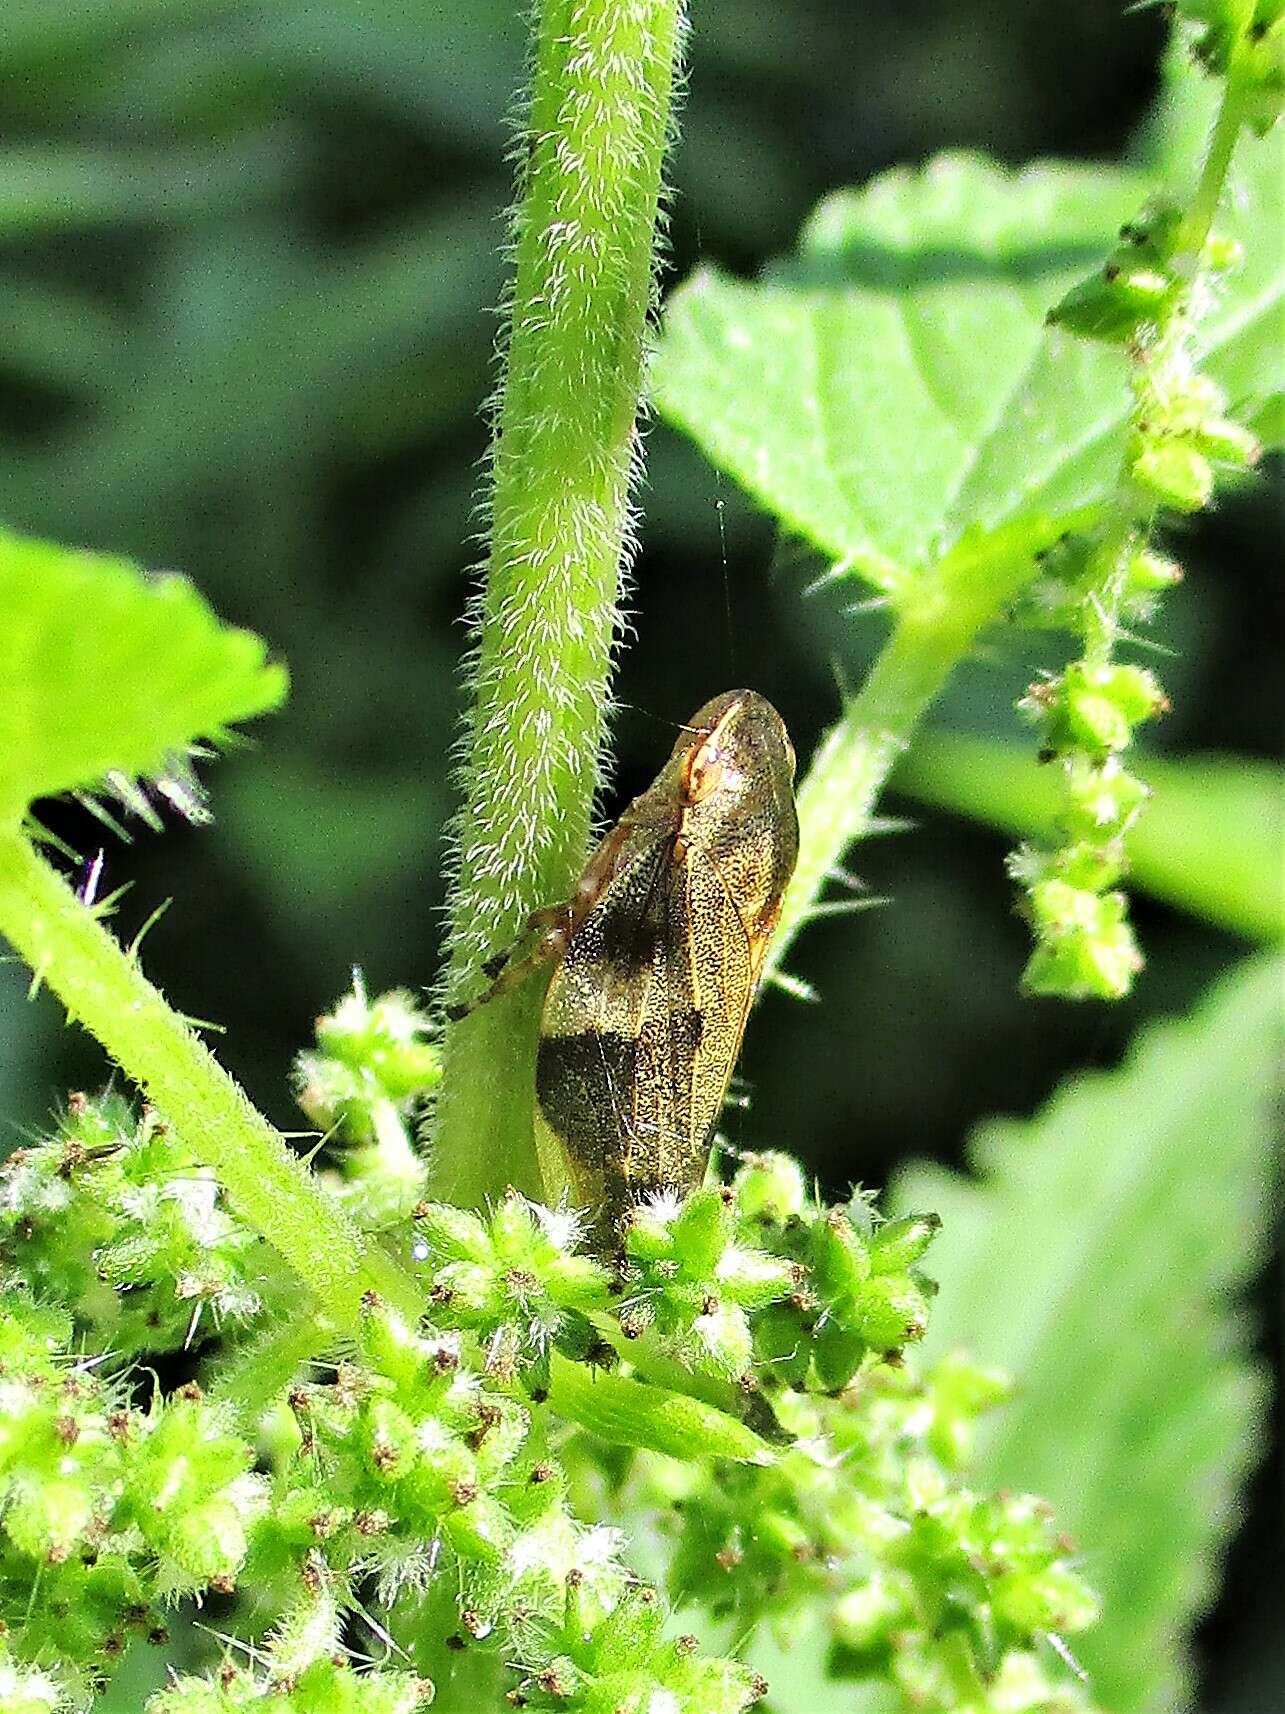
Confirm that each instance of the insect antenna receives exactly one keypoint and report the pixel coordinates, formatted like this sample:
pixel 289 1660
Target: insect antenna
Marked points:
pixel 843 907
pixel 720 508
pixel 661 720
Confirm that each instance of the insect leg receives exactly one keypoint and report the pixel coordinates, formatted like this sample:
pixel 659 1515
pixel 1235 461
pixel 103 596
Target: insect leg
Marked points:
pixel 554 925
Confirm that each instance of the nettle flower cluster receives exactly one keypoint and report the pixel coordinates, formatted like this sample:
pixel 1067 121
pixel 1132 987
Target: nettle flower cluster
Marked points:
pixel 1149 299
pixel 375 1063
pixel 113 1219
pixel 944 1595
pixel 729 1383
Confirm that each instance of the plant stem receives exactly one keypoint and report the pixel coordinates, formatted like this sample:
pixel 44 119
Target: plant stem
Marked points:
pixel 256 1374
pixel 564 453
pixel 937 628
pixel 103 988
pixel 938 622
pixel 1222 145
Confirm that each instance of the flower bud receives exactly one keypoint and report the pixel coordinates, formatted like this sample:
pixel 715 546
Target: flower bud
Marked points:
pixel 209 1542
pixel 892 1311
pixel 1176 473
pixel 770 1187
pixel 1085 949
pixel 702 1230
pixel 1119 304
pixel 1050 1599
pixel 1103 800
pixel 838 1352
pixel 1228 442
pixel 1149 572
pixel 898 1244
pixel 1098 707
pixel 50 1518
pixel 841 1260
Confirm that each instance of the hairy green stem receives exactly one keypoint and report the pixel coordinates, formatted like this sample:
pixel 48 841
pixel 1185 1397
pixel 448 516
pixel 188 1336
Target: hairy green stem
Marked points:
pixel 564 454
pixel 1123 535
pixel 938 622
pixel 103 988
pixel 256 1374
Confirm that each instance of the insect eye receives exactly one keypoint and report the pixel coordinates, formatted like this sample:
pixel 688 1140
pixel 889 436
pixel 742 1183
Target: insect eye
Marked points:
pixel 702 771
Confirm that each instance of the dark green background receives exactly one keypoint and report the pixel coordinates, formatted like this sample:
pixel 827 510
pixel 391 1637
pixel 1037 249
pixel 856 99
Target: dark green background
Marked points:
pixel 247 270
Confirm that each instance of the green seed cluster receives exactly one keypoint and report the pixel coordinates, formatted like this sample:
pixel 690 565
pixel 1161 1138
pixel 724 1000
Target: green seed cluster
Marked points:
pixel 302 1669
pixel 757 1284
pixel 517 1278
pixel 374 1066
pixel 1148 293
pixel 693 1285
pixel 113 1218
pixel 424 1460
pixel 947 1596
pixel 860 1295
pixel 623 1660
pixel 1148 299
pixel 762 1285
pixel 109 1511
pixel 956 1594
pixel 404 1470
pixel 412 1466
pixel 426 1472
pixel 323 1686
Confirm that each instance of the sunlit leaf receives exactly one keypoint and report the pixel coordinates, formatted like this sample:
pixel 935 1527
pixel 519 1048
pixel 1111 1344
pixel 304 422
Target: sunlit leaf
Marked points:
pixel 108 672
pixel 858 391
pixel 894 383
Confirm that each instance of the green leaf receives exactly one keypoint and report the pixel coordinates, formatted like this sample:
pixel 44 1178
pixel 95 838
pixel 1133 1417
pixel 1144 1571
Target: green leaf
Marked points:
pixel 1208 841
pixel 632 1413
pixel 1099 1256
pixel 107 671
pixel 894 383
pixel 861 391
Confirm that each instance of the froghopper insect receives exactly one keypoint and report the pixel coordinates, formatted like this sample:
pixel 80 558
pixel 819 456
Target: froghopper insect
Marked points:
pixel 656 959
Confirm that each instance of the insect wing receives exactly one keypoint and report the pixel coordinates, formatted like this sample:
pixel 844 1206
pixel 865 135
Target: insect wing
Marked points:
pixel 642 1022
pixel 722 974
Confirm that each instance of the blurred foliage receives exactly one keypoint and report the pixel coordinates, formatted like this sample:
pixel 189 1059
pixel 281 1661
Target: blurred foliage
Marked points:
pixel 1073 1247
pixel 1209 843
pixel 109 676
pixel 247 257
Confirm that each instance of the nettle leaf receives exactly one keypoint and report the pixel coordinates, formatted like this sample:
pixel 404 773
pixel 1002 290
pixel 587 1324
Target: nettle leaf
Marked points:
pixel 861 390
pixel 109 672
pixel 894 385
pixel 1209 841
pixel 1098 1256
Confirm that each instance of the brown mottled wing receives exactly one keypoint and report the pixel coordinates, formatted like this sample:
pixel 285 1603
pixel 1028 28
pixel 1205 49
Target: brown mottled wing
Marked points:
pixel 720 960
pixel 641 1026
